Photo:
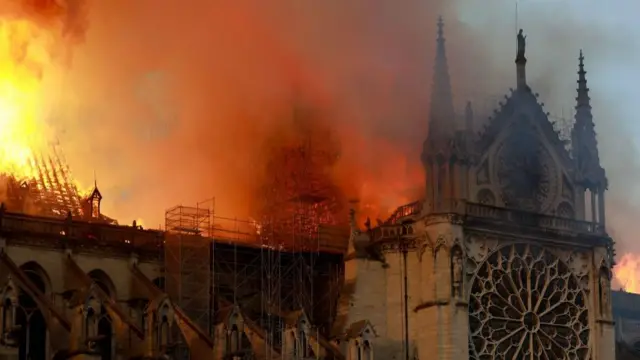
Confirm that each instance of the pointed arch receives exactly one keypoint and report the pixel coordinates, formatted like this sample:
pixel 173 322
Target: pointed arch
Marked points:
pixel 103 280
pixel 30 318
pixel 38 275
pixel 103 326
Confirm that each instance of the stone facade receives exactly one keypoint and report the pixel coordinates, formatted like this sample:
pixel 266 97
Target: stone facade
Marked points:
pixel 507 256
pixel 72 299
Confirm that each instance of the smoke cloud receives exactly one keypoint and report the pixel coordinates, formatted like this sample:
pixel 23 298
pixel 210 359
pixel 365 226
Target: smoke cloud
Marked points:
pixel 170 103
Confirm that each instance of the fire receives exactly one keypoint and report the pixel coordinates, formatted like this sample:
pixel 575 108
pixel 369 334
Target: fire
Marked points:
pixel 627 273
pixel 22 51
pixel 382 177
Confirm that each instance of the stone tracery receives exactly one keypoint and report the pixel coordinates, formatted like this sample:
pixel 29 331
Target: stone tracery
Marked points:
pixel 525 170
pixel 525 302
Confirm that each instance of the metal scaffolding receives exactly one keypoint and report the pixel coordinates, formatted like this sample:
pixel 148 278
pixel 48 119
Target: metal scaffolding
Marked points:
pixel 188 261
pixel 289 259
pixel 267 282
pixel 298 202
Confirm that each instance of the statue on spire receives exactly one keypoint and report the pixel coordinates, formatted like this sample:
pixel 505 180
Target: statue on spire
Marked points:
pixel 521 45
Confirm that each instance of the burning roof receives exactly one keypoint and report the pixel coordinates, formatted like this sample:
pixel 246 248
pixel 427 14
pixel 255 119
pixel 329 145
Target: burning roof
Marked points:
pixel 48 189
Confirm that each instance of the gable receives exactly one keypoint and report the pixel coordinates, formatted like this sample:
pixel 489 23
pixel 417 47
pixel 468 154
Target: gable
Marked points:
pixel 521 102
pixel 521 133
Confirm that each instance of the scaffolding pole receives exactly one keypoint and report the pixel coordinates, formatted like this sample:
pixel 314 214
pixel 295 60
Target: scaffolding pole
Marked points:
pixel 188 264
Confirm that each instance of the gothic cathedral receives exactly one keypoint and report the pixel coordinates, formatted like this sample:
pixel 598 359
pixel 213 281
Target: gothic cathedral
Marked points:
pixel 507 257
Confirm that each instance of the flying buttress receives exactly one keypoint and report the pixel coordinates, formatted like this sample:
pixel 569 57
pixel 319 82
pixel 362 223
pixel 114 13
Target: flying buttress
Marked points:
pixel 123 323
pixel 58 325
pixel 200 345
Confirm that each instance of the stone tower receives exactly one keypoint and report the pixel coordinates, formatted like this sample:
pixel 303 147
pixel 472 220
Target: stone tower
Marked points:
pixel 507 256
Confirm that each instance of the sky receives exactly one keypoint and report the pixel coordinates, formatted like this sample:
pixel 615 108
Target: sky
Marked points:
pixel 163 103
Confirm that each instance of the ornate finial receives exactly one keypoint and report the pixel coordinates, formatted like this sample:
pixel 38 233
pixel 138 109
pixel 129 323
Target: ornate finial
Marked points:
pixel 581 71
pixel 581 58
pixel 583 100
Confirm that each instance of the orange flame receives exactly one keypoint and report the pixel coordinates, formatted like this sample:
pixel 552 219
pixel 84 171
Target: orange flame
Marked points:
pixel 22 51
pixel 627 272
pixel 384 178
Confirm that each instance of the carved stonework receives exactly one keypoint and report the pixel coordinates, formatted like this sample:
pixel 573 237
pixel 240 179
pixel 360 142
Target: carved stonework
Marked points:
pixel 602 257
pixel 424 241
pixel 9 307
pixel 478 248
pixel 443 241
pixel 457 274
pixel 525 169
pixel 449 218
pixel 396 246
pixel 526 302
pixel 604 290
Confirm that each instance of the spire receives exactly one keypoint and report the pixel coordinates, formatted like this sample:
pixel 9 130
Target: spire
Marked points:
pixel 583 136
pixel 94 199
pixel 441 116
pixel 442 147
pixel 589 174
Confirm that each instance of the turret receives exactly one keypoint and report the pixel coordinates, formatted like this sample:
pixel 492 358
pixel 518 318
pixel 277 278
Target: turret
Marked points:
pixel 93 204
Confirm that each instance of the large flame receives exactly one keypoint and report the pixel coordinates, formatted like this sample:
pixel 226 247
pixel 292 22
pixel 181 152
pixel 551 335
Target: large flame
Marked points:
pixel 22 52
pixel 627 273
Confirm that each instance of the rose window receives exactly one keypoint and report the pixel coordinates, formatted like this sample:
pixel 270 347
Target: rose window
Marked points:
pixel 526 304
